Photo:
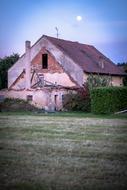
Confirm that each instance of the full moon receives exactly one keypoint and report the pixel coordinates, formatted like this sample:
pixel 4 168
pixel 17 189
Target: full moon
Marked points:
pixel 78 18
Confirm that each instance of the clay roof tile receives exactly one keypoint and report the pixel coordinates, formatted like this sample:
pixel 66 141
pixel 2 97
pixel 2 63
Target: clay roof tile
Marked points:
pixel 87 57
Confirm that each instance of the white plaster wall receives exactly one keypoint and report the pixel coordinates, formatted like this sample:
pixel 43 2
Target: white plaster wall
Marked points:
pixel 18 67
pixel 69 66
pixel 59 78
pixel 41 98
pixel 85 77
pixel 117 81
pixel 67 63
pixel 20 85
pixel 16 70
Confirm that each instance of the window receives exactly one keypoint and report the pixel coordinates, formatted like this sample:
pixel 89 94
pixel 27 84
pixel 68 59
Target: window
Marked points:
pixel 2 98
pixel 29 97
pixel 63 98
pixel 44 61
pixel 56 102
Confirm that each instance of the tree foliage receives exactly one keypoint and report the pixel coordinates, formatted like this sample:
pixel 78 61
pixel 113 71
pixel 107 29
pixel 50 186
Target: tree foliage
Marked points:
pixel 5 64
pixel 78 101
pixel 123 66
pixel 98 81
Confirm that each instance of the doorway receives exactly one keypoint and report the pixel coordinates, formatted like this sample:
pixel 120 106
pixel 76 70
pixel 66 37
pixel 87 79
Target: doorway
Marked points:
pixel 56 102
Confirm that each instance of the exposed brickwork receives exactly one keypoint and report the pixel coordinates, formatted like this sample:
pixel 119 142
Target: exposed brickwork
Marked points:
pixel 53 66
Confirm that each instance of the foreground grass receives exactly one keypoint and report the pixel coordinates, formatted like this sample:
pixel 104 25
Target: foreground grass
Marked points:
pixel 66 114
pixel 59 153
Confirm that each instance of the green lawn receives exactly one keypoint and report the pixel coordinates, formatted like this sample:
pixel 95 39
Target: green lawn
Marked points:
pixel 62 152
pixel 65 114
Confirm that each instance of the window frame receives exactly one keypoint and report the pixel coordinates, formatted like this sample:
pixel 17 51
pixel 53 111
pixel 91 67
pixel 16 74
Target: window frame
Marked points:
pixel 44 61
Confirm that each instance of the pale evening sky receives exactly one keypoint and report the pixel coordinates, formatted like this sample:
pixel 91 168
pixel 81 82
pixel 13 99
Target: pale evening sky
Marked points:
pixel 103 24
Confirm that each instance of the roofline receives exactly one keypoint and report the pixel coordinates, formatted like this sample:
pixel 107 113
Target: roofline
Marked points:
pixel 109 74
pixel 112 74
pixel 45 36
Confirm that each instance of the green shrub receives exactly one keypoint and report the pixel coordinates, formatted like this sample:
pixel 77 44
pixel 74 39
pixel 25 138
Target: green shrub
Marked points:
pixel 79 101
pixel 108 99
pixel 11 104
pixel 125 81
pixel 98 81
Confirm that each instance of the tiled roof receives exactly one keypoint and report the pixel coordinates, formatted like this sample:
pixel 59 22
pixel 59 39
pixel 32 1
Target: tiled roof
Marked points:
pixel 87 57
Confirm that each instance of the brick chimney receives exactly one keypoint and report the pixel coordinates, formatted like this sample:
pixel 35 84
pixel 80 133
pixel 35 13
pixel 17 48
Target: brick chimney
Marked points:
pixel 28 63
pixel 27 45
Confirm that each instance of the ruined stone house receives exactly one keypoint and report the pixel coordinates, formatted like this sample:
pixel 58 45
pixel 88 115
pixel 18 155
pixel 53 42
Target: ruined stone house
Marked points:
pixel 53 67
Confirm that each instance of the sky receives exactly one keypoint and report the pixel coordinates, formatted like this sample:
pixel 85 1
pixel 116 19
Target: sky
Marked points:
pixel 103 24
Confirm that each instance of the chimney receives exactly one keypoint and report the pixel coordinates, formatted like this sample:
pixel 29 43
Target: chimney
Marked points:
pixel 27 45
pixel 28 63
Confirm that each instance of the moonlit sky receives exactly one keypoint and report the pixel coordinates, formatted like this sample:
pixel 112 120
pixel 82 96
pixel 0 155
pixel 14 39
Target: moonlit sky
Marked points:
pixel 103 24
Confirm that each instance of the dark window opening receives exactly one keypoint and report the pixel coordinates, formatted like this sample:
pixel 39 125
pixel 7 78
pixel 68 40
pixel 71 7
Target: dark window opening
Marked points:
pixel 63 98
pixel 29 97
pixel 56 101
pixel 44 61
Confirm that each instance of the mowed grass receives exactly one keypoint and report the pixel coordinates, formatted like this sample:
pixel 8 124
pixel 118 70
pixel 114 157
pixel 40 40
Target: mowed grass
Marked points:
pixel 62 153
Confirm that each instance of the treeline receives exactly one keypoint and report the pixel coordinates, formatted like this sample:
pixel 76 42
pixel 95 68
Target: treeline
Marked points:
pixel 5 64
pixel 123 65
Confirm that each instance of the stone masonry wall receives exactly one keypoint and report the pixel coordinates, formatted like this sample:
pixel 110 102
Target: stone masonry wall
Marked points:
pixel 47 99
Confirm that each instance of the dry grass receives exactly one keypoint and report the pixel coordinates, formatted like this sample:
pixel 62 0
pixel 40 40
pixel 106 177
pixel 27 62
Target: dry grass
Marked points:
pixel 62 153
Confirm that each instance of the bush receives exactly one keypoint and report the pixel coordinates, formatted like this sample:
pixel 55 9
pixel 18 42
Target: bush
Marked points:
pixel 79 101
pixel 98 81
pixel 125 81
pixel 108 99
pixel 16 105
pixel 5 64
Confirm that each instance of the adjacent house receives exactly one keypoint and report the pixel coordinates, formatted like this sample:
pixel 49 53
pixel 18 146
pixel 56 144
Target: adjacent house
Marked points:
pixel 53 67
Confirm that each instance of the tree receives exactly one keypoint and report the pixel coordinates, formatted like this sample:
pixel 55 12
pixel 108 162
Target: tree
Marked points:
pixel 78 101
pixel 5 64
pixel 123 66
pixel 98 81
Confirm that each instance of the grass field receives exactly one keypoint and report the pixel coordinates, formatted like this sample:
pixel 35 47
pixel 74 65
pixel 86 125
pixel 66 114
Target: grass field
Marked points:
pixel 66 152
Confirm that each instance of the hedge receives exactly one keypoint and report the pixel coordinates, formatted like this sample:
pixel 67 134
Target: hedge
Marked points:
pixel 108 99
